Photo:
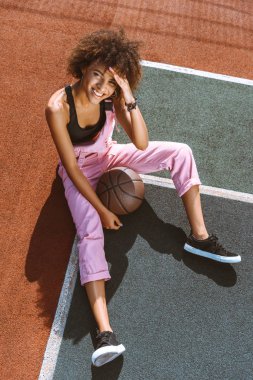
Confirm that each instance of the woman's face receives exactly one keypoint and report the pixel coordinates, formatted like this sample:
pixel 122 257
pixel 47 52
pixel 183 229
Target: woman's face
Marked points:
pixel 98 82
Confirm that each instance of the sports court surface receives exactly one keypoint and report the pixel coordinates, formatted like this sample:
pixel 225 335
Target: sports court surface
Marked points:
pixel 179 317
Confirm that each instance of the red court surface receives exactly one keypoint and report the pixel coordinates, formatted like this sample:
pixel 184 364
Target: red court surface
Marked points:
pixel 36 228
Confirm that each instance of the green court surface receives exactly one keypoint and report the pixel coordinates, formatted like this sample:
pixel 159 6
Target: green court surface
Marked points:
pixel 179 316
pixel 215 118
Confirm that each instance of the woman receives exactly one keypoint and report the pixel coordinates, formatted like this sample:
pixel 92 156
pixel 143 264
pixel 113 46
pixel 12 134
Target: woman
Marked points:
pixel 81 118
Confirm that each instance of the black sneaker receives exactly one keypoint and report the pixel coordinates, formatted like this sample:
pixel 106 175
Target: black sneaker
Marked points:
pixel 107 349
pixel 211 249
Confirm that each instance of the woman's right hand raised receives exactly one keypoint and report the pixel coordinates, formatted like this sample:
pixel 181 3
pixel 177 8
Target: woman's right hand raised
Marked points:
pixel 109 220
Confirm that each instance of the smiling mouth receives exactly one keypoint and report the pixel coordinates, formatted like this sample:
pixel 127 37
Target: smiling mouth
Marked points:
pixel 98 94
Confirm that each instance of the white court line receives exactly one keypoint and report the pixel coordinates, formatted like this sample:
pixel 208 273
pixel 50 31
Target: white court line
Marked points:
pixel 208 190
pixel 60 319
pixel 205 74
pixel 57 330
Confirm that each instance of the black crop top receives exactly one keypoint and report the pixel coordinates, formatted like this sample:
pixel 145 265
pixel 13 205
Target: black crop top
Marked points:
pixel 77 134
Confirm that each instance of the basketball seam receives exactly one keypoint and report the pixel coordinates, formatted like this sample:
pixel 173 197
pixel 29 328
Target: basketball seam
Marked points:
pixel 130 195
pixel 116 193
pixel 122 183
pixel 106 190
pixel 109 199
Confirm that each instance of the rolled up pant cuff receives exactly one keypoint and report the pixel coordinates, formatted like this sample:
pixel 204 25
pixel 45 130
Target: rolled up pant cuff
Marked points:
pixel 188 185
pixel 95 276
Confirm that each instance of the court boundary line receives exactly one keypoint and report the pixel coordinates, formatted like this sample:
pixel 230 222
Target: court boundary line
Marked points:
pixel 200 73
pixel 61 315
pixel 207 190
pixel 60 319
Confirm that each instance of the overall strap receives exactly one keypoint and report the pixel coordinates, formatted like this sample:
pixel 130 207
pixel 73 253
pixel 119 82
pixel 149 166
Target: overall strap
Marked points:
pixel 108 104
pixel 70 99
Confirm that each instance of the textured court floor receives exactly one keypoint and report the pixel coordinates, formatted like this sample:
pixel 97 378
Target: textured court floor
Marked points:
pixel 179 317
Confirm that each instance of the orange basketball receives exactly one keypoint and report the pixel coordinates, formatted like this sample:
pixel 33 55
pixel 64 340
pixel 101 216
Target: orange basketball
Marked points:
pixel 121 190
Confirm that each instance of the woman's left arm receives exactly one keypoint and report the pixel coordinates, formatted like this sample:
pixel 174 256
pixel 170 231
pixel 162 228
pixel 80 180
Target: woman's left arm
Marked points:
pixel 132 121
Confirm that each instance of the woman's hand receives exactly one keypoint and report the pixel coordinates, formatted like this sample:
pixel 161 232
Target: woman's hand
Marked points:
pixel 125 87
pixel 110 221
pixel 130 119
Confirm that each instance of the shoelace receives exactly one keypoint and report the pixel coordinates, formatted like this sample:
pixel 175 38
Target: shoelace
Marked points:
pixel 103 338
pixel 218 246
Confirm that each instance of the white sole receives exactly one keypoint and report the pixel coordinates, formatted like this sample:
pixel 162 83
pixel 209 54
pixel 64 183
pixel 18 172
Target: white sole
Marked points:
pixel 212 256
pixel 106 354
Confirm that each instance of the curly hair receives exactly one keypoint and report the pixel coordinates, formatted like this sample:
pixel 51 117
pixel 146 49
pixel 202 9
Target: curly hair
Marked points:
pixel 110 48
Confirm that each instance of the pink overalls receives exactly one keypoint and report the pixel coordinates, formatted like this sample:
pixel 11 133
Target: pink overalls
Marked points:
pixel 94 158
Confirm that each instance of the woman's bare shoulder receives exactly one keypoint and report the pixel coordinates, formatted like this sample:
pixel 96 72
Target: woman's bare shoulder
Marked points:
pixel 58 102
pixel 57 109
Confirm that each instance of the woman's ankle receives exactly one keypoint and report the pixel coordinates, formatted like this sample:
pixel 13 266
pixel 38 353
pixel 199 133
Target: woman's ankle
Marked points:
pixel 105 328
pixel 200 234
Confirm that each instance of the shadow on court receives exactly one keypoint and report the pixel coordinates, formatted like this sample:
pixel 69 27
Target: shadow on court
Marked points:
pixel 146 253
pixel 54 233
pixel 163 238
pixel 49 251
pixel 173 311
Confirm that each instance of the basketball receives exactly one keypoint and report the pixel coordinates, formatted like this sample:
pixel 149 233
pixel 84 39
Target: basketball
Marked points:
pixel 121 190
